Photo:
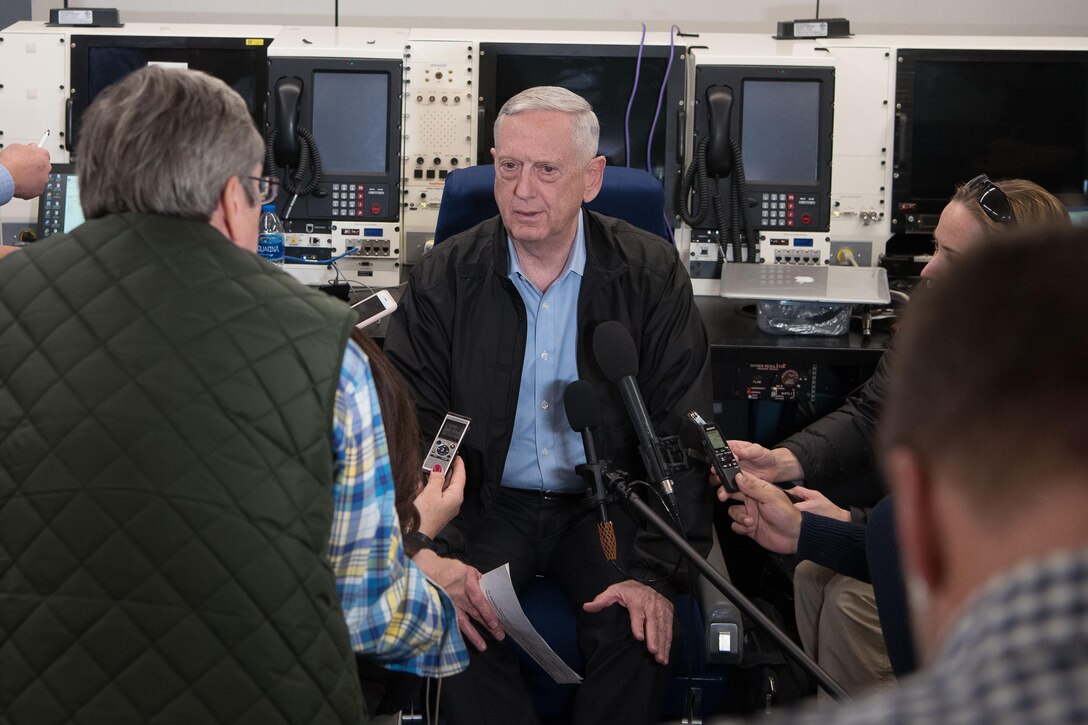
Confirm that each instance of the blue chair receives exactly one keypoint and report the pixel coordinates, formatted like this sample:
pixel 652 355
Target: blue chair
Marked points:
pixel 629 194
pixel 638 198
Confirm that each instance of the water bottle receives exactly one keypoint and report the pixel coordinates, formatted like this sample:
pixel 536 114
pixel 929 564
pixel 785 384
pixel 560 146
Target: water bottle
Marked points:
pixel 270 235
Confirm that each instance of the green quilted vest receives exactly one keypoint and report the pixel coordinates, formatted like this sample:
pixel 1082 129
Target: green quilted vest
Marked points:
pixel 166 480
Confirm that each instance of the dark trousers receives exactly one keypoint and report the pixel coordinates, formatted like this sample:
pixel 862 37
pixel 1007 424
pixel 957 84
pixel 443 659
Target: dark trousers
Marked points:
pixel 557 538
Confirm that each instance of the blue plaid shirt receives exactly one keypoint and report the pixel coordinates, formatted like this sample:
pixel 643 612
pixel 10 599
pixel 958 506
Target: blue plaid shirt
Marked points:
pixel 396 616
pixel 1017 654
pixel 7 186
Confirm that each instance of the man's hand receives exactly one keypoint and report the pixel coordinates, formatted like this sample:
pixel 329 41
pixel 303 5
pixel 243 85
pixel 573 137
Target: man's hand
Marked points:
pixel 815 502
pixel 778 464
pixel 29 168
pixel 462 583
pixel 651 614
pixel 768 516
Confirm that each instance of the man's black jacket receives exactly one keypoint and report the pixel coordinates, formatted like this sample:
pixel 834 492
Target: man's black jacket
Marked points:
pixel 458 337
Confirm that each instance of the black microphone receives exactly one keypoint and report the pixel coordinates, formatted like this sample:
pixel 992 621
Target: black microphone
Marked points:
pixel 583 414
pixel 616 354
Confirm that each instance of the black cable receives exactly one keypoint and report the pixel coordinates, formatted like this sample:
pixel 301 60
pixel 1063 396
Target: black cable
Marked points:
pixel 740 194
pixel 694 202
pixel 695 189
pixel 680 560
pixel 309 164
pixel 724 240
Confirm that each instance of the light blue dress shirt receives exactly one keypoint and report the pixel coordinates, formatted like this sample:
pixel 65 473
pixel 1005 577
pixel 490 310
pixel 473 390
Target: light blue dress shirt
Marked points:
pixel 544 449
pixel 7 186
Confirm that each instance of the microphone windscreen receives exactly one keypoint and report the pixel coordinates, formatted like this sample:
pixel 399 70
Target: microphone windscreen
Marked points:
pixel 615 351
pixel 689 435
pixel 580 400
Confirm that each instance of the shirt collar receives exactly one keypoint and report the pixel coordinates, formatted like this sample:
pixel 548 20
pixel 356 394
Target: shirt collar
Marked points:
pixel 576 260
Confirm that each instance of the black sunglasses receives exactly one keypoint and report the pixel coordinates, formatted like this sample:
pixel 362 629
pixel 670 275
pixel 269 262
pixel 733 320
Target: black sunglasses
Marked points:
pixel 992 199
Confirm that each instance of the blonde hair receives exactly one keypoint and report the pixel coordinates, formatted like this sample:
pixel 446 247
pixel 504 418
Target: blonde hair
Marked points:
pixel 1032 205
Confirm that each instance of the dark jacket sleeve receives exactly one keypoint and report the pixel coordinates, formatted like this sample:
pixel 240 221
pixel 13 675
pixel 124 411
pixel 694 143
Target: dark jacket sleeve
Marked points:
pixel 838 545
pixel 841 442
pixel 419 345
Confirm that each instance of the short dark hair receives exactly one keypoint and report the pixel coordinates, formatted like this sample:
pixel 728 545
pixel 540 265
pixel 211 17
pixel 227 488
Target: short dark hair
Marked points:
pixel 987 374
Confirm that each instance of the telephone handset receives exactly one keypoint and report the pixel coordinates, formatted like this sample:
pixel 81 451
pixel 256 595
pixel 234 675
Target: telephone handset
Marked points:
pixel 719 109
pixel 290 147
pixel 718 155
pixel 288 112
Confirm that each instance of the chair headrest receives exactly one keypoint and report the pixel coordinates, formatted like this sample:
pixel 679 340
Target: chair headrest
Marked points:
pixel 629 194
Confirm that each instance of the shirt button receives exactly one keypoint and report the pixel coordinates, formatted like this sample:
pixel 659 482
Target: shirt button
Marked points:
pixel 544 452
pixel 543 356
pixel 545 405
pixel 545 306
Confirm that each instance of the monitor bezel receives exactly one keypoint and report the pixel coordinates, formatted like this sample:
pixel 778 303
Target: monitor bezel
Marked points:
pixel 671 120
pixel 916 215
pixel 81 45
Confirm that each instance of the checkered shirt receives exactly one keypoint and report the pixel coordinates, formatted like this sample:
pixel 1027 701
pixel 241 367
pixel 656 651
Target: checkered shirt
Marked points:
pixel 396 616
pixel 1018 654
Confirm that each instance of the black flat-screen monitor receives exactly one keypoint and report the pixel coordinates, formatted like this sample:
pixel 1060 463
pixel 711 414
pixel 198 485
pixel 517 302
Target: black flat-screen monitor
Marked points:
pixel 605 75
pixel 1005 113
pixel 98 61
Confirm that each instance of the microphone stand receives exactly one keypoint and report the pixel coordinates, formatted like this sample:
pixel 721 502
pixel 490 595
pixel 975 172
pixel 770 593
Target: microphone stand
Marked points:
pixel 593 474
pixel 616 485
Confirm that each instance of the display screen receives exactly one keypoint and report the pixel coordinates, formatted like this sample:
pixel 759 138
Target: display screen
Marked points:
pixel 351 112
pixel 780 127
pixel 370 307
pixel 98 61
pixel 452 429
pixel 73 212
pixel 59 208
pixel 1006 116
pixel 1009 114
pixel 605 76
pixel 715 437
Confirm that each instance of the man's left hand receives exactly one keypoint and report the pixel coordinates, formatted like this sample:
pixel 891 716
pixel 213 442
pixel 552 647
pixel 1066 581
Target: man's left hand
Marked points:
pixel 651 614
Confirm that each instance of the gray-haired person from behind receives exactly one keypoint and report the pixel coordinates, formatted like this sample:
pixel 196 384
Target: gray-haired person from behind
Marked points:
pixel 167 448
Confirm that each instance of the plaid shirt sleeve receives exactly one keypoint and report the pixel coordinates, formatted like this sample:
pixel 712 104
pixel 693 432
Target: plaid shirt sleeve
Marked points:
pixel 7 186
pixel 395 615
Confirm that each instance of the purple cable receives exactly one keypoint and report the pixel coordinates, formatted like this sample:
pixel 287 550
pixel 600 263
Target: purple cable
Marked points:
pixel 631 101
pixel 657 113
pixel 661 96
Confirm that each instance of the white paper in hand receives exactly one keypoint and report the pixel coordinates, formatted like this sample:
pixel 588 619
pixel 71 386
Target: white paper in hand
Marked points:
pixel 499 590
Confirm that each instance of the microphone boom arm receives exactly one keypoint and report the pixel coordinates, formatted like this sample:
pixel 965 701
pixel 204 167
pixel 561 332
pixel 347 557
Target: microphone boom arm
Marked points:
pixel 618 486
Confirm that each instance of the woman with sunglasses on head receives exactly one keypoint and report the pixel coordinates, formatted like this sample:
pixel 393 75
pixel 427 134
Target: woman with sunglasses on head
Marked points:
pixel 981 207
pixel 836 614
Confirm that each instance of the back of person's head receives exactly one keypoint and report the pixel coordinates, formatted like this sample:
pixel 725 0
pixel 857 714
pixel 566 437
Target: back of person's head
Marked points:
pixel 164 142
pixel 586 129
pixel 986 379
pixel 1031 204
